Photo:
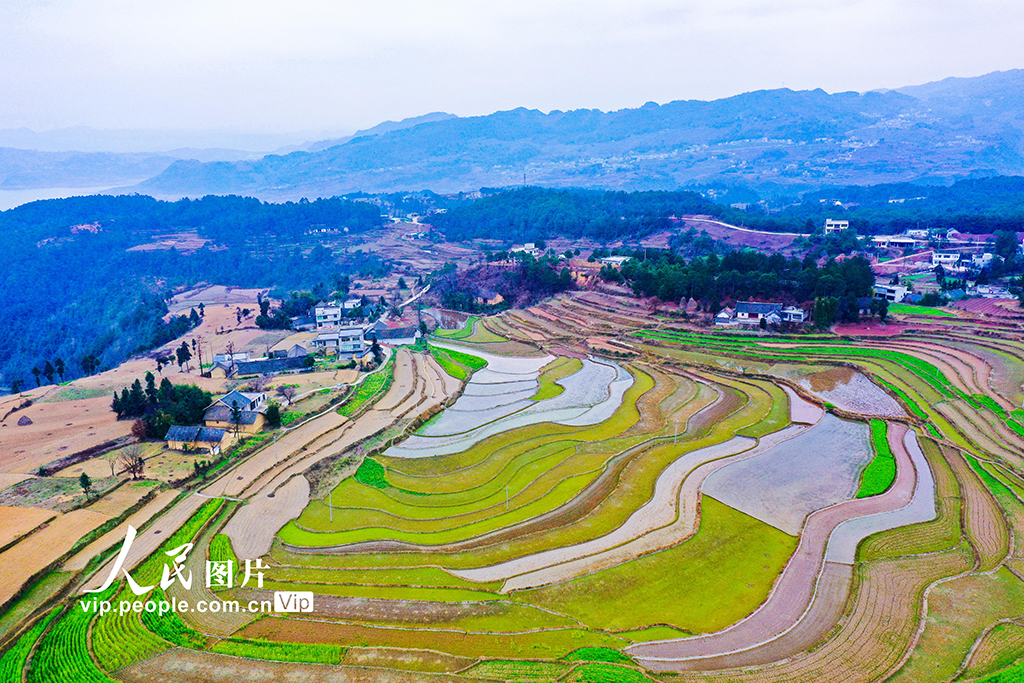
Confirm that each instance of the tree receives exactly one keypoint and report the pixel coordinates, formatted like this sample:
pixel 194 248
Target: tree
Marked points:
pixel 132 461
pixel 17 385
pixel 193 318
pixel 35 373
pixel 883 309
pixel 86 483
pixel 286 392
pixel 273 415
pixel 140 430
pixel 90 364
pixel 184 355
pixel 151 393
pixel 236 416
pixel 402 284
pixel 202 310
pixel 49 371
pixel 377 351
pixel 60 367
pixel 112 458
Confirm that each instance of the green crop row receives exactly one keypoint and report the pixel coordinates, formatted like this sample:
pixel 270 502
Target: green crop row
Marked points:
pixel 281 652
pixel 880 473
pixel 373 384
pixel 598 654
pixel 63 653
pixel 120 639
pixel 171 628
pixel 12 663
pixel 461 333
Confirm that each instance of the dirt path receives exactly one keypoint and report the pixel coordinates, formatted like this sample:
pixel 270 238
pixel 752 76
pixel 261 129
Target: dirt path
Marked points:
pixel 234 482
pixel 791 597
pixel 117 534
pixel 253 526
pixel 147 542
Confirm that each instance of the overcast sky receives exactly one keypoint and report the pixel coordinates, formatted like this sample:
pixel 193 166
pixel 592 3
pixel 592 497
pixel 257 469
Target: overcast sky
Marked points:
pixel 283 66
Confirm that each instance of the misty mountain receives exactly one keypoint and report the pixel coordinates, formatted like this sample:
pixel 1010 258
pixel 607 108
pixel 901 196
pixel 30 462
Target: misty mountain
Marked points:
pixel 766 139
pixel 385 127
pixel 23 169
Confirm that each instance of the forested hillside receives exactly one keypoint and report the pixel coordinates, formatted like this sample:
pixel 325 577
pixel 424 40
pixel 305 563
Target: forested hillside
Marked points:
pixel 70 287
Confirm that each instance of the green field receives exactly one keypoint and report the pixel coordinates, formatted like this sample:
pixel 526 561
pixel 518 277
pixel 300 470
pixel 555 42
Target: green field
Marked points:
pixel 910 309
pixel 880 473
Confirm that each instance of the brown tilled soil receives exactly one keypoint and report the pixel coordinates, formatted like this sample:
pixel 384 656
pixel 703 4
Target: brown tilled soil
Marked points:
pixel 413 660
pixel 18 521
pixel 870 639
pixel 117 535
pixel 19 562
pixel 148 541
pixel 192 666
pixel 57 429
pixel 369 610
pixel 252 528
pixel 983 519
pixel 794 590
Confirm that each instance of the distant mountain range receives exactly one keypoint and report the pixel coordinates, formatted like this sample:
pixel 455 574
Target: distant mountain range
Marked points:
pixel 769 140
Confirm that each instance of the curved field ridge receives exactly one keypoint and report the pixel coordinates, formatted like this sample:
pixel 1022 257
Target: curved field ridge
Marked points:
pixel 658 512
pixel 802 410
pixel 785 484
pixel 591 395
pixel 808 588
pixel 842 545
pixel 670 517
pixel 253 527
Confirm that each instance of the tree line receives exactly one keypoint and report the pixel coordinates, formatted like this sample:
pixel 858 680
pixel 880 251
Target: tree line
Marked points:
pixel 157 408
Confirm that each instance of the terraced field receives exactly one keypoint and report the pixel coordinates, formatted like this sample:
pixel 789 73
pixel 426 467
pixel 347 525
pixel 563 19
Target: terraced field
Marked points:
pixel 588 491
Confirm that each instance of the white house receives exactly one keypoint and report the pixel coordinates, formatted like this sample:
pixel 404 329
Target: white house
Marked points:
pixel 893 293
pixel 616 261
pixel 793 314
pixel 946 259
pixel 832 226
pixel 751 312
pixel 346 342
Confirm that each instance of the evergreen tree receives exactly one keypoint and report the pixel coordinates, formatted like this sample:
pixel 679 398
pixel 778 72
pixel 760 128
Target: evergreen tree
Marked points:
pixel 137 399
pixel 49 371
pixel 35 373
pixel 86 483
pixel 60 367
pixel 151 387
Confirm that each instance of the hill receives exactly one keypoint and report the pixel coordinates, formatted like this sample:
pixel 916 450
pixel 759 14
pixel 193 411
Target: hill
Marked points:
pixel 766 139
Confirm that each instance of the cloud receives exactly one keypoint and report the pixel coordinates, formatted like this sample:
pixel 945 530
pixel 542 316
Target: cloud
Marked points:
pixel 273 65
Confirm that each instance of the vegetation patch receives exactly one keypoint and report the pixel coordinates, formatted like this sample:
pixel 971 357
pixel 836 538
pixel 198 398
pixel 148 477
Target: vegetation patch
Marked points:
pixel 910 309
pixel 371 386
pixel 510 670
pixel 605 673
pixel 880 473
pixel 559 368
pixel 709 581
pixel 13 661
pixel 372 473
pixel 598 654
pixel 461 333
pixel 316 653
